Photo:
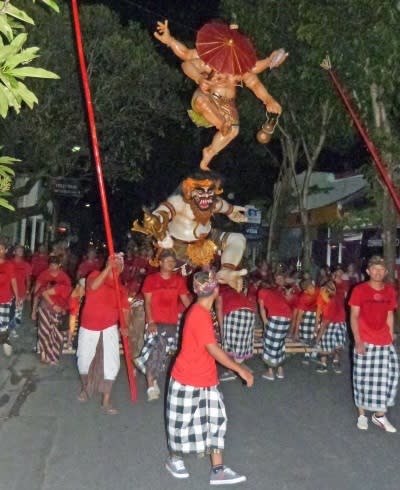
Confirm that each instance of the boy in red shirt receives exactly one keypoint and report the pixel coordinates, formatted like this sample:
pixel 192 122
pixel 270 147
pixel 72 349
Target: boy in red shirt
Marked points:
pixel 375 367
pixel 331 327
pixel 195 411
pixel 276 315
pixel 236 315
pixel 304 322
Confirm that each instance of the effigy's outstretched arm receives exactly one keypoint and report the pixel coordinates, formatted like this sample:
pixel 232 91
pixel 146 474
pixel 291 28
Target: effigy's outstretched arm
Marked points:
pixel 233 212
pixel 275 59
pixel 252 82
pixel 163 34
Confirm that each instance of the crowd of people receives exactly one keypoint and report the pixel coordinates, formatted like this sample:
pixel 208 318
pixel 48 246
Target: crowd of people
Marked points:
pixel 193 322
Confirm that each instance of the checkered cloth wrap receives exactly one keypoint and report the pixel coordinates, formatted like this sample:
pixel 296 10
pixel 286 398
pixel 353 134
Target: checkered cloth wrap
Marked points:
pixel 375 377
pixel 157 347
pixel 195 417
pixel 275 332
pixel 5 309
pixel 306 330
pixel 238 332
pixel 334 338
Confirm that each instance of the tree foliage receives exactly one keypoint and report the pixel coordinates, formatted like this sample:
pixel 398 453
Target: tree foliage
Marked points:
pixel 134 94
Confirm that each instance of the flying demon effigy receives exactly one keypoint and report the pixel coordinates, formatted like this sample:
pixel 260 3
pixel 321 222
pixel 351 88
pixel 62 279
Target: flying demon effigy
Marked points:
pixel 223 60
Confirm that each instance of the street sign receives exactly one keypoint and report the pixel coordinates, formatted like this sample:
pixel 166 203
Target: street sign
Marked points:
pixel 253 215
pixel 66 186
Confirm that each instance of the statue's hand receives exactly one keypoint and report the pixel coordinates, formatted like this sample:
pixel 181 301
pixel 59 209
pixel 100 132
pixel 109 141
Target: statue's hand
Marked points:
pixel 167 242
pixel 272 106
pixel 162 33
pixel 238 214
pixel 277 57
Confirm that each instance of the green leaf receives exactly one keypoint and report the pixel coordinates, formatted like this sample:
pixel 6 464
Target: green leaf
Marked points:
pixel 32 72
pixel 5 204
pixel 5 28
pixel 24 56
pixel 52 4
pixel 9 9
pixel 27 96
pixel 8 160
pixel 3 105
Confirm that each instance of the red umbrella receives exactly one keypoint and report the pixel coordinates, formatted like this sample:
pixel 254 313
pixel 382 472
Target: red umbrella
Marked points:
pixel 224 49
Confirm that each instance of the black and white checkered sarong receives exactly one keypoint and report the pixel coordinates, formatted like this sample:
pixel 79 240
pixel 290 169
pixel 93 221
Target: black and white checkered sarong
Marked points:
pixel 306 330
pixel 195 417
pixel 334 337
pixel 5 309
pixel 238 333
pixel 157 347
pixel 375 377
pixel 275 333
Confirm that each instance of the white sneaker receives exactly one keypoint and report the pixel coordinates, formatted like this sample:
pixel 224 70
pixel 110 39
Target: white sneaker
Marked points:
pixel 152 394
pixel 362 422
pixel 8 350
pixel 383 423
pixel 177 468
pixel 156 387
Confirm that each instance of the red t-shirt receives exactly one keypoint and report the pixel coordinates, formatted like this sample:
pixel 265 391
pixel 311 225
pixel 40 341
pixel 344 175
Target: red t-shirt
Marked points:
pixel 39 263
pixel 232 300
pixel 23 270
pixel 194 366
pixel 61 294
pixel 333 311
pixel 307 302
pixel 374 307
pixel 7 272
pixel 100 309
pixel 164 296
pixel 275 302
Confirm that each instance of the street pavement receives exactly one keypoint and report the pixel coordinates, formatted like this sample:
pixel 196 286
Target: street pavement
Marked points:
pixel 293 434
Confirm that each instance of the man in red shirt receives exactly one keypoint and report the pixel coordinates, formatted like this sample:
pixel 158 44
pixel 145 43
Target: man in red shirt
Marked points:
pixel 98 340
pixel 162 291
pixel 195 412
pixel 8 291
pixel 23 273
pixel 375 367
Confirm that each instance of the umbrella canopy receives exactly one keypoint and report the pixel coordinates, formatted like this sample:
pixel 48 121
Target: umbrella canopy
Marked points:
pixel 224 49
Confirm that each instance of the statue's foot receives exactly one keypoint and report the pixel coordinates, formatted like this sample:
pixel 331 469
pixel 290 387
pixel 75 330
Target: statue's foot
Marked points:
pixel 233 278
pixel 208 154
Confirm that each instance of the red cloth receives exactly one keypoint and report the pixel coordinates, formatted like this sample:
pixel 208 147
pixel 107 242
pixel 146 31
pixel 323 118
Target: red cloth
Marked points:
pixel 59 280
pixel 307 302
pixel 23 270
pixel 100 309
pixel 275 302
pixel 232 300
pixel 61 294
pixel 164 296
pixel 87 266
pixel 7 272
pixel 194 366
pixel 333 311
pixel 374 307
pixel 39 264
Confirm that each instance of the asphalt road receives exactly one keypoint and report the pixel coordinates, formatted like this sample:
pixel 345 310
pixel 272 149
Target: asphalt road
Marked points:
pixel 293 434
